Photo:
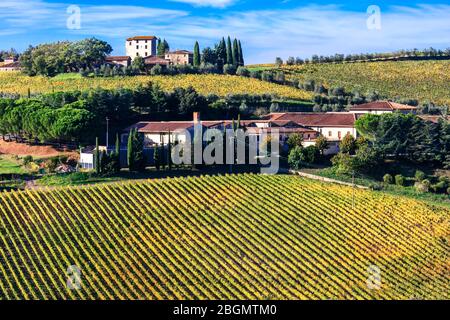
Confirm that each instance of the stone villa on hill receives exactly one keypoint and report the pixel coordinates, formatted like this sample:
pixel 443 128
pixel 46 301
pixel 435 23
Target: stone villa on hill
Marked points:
pixel 146 47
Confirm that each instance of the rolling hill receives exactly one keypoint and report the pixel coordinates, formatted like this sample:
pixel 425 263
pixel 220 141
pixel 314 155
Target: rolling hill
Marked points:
pixel 421 80
pixel 221 85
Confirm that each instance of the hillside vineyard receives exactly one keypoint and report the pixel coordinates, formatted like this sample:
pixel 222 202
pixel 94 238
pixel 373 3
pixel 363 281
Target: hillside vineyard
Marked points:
pixel 219 237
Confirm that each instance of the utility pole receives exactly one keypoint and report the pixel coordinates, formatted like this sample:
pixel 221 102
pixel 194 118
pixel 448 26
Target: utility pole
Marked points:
pixel 107 133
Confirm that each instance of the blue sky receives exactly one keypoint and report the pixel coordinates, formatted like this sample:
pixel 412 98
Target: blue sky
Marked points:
pixel 267 28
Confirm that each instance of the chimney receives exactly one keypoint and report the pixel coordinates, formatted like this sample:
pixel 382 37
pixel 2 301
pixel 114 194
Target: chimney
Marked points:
pixel 196 118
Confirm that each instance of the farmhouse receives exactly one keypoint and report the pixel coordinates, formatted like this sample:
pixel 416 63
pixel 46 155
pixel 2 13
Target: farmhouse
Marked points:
pixel 10 64
pixel 157 133
pixel 334 126
pixel 180 57
pixel 141 46
pixel 380 107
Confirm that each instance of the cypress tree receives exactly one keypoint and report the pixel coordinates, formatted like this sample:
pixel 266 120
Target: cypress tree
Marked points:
pixel 241 54
pixel 221 54
pixel 97 157
pixel 156 157
pixel 117 154
pixel 130 151
pixel 117 145
pixel 169 153
pixel 229 52
pixel 235 53
pixel 196 54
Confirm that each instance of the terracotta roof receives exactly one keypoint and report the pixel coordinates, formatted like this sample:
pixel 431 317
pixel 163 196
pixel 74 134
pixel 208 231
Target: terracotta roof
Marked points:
pixel 382 106
pixel 282 130
pixel 141 38
pixel 433 118
pixel 329 119
pixel 117 58
pixel 166 126
pixel 180 52
pixel 15 64
pixel 156 60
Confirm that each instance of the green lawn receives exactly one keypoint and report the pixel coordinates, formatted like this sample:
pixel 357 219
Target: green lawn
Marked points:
pixel 10 167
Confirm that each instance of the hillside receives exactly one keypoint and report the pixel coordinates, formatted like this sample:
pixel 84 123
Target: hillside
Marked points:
pixel 218 237
pixel 422 80
pixel 221 85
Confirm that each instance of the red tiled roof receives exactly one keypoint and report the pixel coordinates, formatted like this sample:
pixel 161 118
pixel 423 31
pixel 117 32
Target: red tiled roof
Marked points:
pixel 117 58
pixel 432 118
pixel 180 52
pixel 329 119
pixel 166 126
pixel 156 60
pixel 382 106
pixel 15 64
pixel 141 38
pixel 281 130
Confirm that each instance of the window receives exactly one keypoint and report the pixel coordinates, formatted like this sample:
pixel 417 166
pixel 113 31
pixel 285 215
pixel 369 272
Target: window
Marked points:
pixel 137 47
pixel 339 135
pixel 145 46
pixel 130 43
pixel 348 132
pixel 146 54
pixel 330 133
pixel 146 42
pixel 137 54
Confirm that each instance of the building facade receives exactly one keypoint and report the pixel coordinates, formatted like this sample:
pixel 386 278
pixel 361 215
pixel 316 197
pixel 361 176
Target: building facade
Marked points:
pixel 141 46
pixel 124 61
pixel 180 57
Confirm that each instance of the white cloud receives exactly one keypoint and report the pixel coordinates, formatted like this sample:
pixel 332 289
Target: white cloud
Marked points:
pixel 208 3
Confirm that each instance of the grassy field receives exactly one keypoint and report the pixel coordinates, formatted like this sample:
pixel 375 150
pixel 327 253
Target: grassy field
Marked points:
pixel 8 166
pixel 222 237
pixel 15 82
pixel 422 80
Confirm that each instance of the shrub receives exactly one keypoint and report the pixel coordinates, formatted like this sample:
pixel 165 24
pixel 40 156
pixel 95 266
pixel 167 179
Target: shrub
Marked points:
pixel 243 72
pixel 443 179
pixel 420 176
pixel 256 74
pixel 448 190
pixel 426 182
pixel 296 158
pixel 27 159
pixel 439 187
pixel 399 180
pixel 421 187
pixel 229 69
pixel 267 76
pixel 274 107
pixel 295 140
pixel 312 154
pixel 375 187
pixel 156 70
pixel 387 178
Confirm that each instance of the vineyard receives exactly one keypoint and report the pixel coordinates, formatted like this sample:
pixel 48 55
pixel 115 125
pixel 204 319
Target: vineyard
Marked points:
pixel 221 85
pixel 421 80
pixel 222 237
